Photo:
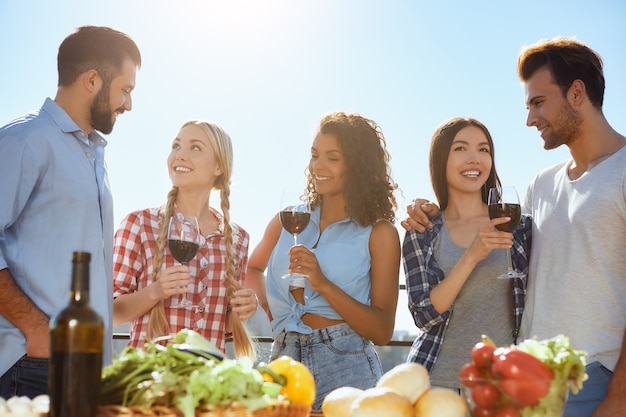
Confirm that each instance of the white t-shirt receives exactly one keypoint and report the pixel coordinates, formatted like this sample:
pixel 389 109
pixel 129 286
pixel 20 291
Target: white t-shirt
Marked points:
pixel 577 272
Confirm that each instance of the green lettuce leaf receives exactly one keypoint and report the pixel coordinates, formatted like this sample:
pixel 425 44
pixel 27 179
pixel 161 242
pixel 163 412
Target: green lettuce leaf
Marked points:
pixel 568 365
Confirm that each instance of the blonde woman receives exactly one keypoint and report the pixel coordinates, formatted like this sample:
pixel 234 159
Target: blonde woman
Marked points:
pixel 147 279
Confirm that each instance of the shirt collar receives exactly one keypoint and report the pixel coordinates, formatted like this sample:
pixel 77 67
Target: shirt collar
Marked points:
pixel 216 213
pixel 68 125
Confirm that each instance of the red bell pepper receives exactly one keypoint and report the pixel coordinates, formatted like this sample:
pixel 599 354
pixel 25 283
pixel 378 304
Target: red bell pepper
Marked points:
pixel 521 376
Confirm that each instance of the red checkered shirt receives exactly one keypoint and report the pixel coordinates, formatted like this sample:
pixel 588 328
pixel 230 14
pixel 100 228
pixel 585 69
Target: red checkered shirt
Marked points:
pixel 135 244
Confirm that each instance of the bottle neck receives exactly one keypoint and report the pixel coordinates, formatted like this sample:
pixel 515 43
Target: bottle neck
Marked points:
pixel 81 297
pixel 80 282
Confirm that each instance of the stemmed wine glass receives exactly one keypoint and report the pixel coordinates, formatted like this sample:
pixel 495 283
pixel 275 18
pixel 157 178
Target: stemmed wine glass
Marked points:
pixel 294 216
pixel 183 241
pixel 504 202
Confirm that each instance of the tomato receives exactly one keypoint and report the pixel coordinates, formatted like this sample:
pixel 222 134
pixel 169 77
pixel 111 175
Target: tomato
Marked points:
pixel 470 375
pixel 482 355
pixel 524 392
pixel 297 380
pixel 511 363
pixel 485 395
pixel 521 376
pixel 483 412
pixel 507 411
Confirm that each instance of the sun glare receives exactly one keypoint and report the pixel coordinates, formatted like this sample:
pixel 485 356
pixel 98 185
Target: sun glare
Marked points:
pixel 236 21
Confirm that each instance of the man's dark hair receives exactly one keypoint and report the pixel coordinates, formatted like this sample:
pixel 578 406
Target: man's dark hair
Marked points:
pixel 567 60
pixel 95 47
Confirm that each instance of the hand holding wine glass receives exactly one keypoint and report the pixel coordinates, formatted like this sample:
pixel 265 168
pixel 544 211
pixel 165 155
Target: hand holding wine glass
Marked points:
pixel 294 218
pixel 504 202
pixel 183 241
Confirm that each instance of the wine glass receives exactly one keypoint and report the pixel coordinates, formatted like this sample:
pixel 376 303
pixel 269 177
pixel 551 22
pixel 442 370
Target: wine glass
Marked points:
pixel 294 216
pixel 505 203
pixel 183 241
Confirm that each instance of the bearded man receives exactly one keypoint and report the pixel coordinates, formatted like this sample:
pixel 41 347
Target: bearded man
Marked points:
pixel 55 199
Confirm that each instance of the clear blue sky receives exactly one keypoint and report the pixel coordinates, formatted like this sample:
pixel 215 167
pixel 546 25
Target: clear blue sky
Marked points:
pixel 267 70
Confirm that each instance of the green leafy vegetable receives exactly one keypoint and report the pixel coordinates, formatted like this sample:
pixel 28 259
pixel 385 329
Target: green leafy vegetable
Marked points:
pixel 568 366
pixel 194 342
pixel 186 374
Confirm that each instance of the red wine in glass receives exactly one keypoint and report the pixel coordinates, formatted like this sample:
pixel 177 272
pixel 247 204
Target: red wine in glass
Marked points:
pixel 294 221
pixel 514 211
pixel 504 202
pixel 183 251
pixel 183 242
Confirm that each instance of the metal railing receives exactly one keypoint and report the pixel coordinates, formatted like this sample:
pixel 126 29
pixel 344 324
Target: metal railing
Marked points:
pixel 269 340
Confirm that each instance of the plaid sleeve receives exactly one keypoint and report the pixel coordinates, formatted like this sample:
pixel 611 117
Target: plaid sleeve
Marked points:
pixel 522 240
pixel 422 275
pixel 127 255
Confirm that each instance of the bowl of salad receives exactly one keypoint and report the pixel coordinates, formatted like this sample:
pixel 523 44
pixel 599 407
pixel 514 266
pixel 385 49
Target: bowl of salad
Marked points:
pixel 533 378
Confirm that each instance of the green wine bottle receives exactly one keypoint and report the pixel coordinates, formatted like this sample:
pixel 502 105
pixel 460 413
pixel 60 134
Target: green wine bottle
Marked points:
pixel 76 340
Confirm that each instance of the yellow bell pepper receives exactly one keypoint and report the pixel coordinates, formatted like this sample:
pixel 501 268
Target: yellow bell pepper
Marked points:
pixel 296 379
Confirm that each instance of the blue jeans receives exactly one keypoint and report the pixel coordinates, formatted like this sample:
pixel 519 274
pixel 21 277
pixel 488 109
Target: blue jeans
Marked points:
pixel 594 390
pixel 27 377
pixel 336 356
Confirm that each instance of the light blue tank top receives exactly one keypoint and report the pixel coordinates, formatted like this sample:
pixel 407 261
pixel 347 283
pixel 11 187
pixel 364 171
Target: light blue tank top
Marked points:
pixel 344 257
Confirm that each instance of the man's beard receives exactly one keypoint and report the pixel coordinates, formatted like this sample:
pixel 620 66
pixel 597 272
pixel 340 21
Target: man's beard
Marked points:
pixel 565 127
pixel 101 115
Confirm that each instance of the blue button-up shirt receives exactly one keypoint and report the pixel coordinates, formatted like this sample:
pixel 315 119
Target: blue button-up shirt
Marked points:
pixel 54 199
pixel 342 252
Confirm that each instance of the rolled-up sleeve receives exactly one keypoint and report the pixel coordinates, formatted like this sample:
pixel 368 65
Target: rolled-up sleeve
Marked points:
pixel 128 260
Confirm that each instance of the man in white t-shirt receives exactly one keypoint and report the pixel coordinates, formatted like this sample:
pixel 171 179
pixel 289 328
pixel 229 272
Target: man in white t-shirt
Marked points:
pixel 577 273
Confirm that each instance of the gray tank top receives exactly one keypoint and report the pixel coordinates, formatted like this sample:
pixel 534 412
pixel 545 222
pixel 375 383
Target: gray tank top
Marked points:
pixel 484 306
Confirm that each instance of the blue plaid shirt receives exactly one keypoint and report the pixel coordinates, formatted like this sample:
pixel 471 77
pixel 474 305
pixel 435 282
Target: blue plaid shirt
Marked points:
pixel 423 274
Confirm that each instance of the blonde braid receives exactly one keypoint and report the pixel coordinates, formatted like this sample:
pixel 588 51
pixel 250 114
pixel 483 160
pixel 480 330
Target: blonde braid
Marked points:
pixel 222 146
pixel 242 341
pixel 158 324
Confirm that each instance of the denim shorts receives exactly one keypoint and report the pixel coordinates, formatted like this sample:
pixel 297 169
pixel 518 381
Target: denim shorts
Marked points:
pixel 27 377
pixel 594 390
pixel 336 356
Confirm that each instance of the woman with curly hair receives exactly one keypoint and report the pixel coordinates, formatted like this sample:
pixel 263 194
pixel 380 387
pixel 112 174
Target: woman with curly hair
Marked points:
pixel 350 254
pixel 148 281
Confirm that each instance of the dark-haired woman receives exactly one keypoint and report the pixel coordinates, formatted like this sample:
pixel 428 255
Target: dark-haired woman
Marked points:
pixel 451 269
pixel 350 252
